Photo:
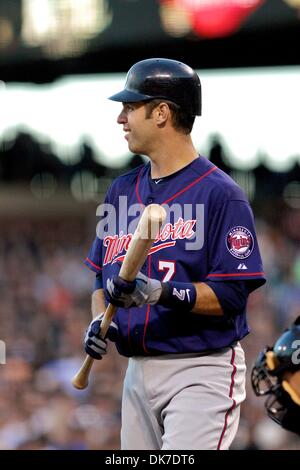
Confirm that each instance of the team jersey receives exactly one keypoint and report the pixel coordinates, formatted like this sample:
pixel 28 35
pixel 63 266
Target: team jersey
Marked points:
pixel 209 234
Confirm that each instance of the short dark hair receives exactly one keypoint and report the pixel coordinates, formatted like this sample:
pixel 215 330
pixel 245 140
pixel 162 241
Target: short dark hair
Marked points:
pixel 181 120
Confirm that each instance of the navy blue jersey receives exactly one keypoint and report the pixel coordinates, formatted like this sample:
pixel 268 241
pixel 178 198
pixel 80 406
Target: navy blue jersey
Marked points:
pixel 209 235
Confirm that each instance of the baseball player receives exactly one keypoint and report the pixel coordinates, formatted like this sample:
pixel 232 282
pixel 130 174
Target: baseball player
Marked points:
pixel 181 319
pixel 276 373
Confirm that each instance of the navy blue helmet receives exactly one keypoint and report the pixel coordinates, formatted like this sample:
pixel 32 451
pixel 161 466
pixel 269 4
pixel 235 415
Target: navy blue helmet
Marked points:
pixel 163 78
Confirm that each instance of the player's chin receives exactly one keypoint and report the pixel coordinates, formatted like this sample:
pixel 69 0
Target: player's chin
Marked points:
pixel 134 147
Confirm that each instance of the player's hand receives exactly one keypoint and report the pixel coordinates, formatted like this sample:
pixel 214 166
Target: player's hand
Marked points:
pixel 94 345
pixel 126 294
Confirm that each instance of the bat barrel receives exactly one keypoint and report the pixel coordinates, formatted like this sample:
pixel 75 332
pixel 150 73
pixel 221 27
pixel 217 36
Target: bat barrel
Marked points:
pixel 150 223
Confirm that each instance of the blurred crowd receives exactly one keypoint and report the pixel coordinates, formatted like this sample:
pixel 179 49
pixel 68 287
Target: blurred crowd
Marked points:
pixel 45 307
pixel 44 310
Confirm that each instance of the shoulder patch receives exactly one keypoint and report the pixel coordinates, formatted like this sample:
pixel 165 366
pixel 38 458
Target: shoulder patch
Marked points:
pixel 239 242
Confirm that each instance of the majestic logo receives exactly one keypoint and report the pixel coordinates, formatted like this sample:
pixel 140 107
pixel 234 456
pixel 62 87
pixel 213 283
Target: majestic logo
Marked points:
pixel 240 243
pixel 242 266
pixel 166 238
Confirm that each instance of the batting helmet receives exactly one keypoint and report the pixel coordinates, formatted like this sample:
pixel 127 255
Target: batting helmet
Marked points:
pixel 283 403
pixel 163 78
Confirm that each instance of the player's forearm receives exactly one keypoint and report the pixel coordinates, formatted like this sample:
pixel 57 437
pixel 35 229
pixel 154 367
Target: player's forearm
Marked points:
pixel 98 302
pixel 207 302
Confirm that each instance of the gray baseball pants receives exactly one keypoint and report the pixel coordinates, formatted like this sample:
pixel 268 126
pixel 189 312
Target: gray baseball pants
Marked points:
pixel 183 401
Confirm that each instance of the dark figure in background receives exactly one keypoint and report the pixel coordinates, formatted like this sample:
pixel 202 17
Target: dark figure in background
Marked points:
pixel 216 154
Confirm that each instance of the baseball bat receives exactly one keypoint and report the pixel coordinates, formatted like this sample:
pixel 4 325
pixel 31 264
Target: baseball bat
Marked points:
pixel 142 240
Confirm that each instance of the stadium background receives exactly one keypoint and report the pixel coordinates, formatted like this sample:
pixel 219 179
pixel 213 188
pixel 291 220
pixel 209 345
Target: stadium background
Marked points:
pixel 49 194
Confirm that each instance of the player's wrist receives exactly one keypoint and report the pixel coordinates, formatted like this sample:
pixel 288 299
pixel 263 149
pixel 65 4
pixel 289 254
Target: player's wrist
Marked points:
pixel 178 295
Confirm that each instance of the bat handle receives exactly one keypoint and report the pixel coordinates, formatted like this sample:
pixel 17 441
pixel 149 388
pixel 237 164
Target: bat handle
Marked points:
pixel 106 320
pixel 81 379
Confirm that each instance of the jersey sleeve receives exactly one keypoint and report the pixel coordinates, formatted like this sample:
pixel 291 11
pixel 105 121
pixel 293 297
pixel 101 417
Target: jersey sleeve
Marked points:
pixel 94 257
pixel 233 251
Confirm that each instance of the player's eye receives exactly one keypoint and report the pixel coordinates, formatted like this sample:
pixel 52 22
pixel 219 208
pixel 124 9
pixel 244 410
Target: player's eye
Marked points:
pixel 128 108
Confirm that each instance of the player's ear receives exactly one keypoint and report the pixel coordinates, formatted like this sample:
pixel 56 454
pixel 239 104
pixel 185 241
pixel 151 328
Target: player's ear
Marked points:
pixel 162 113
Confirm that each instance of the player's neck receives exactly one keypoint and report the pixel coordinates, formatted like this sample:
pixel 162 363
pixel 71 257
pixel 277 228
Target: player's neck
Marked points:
pixel 172 156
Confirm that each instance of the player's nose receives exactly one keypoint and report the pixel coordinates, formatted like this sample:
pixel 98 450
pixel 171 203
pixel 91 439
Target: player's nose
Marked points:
pixel 122 118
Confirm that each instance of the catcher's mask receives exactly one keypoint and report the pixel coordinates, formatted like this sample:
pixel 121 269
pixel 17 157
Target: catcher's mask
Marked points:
pixel 267 377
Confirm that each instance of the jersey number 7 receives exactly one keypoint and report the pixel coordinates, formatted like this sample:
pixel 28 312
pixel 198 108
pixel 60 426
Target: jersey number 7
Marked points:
pixel 169 267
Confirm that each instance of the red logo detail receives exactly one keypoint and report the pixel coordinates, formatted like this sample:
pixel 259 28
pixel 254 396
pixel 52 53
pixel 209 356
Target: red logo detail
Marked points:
pixel 116 244
pixel 238 243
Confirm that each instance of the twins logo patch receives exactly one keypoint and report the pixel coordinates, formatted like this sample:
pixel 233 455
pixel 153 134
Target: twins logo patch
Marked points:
pixel 240 242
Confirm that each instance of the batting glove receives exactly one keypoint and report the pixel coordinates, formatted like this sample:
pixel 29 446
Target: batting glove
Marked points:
pixel 94 345
pixel 126 294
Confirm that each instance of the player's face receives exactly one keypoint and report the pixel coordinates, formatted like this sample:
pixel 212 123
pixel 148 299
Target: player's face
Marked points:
pixel 139 131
